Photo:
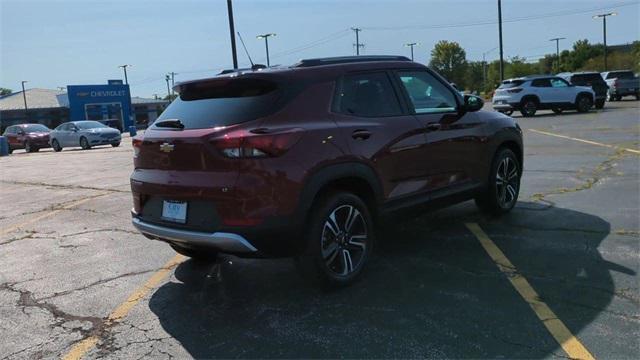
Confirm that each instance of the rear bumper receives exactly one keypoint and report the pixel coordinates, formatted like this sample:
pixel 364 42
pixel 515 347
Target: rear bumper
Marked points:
pixel 623 91
pixel 223 241
pixel 504 107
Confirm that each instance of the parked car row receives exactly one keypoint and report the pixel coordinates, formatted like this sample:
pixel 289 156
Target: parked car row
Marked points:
pixel 86 134
pixel 579 91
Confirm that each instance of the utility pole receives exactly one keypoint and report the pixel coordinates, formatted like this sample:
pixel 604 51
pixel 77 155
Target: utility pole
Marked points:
pixel 24 97
pixel 124 68
pixel 557 40
pixel 266 43
pixel 357 44
pixel 604 33
pixel 411 45
pixel 167 78
pixel 232 33
pixel 500 36
pixel 173 74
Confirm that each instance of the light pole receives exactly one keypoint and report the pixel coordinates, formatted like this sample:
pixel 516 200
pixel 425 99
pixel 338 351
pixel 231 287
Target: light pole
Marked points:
pixel 124 68
pixel 500 37
pixel 266 43
pixel 167 78
pixel 24 97
pixel 411 45
pixel 557 40
pixel 484 68
pixel 604 33
pixel 358 45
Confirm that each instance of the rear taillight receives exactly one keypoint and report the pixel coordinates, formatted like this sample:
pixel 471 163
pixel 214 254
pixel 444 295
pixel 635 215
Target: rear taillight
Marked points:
pixel 244 144
pixel 515 90
pixel 137 143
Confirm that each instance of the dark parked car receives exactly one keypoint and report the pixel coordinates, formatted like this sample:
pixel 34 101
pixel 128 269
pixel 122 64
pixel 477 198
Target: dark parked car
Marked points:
pixel 31 137
pixel 591 79
pixel 302 161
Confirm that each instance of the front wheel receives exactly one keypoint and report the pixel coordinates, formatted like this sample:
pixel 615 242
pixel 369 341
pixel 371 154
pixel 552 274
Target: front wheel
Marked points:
pixel 27 146
pixel 84 143
pixel 503 188
pixel 339 240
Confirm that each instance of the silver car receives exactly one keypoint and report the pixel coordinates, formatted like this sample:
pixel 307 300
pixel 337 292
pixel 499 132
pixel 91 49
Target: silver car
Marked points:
pixel 84 134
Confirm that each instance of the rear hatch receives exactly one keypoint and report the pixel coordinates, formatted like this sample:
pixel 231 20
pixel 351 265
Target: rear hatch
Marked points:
pixel 509 87
pixel 179 158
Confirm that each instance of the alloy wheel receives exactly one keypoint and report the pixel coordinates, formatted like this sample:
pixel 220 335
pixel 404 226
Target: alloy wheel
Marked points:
pixel 507 182
pixel 344 240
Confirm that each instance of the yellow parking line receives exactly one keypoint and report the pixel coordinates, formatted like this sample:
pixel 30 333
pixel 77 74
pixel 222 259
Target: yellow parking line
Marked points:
pixel 634 151
pixel 85 345
pixel 569 343
pixel 48 214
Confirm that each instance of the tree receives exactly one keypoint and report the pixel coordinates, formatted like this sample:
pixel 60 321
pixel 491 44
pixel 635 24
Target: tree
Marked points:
pixel 5 91
pixel 450 60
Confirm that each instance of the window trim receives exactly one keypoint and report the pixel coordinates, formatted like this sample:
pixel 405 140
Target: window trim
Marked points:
pixel 336 100
pixel 437 77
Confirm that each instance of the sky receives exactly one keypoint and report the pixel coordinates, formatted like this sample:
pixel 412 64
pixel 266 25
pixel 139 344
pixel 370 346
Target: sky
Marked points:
pixel 53 43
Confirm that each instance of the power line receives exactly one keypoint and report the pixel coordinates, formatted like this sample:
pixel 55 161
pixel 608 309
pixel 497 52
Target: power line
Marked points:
pixel 493 22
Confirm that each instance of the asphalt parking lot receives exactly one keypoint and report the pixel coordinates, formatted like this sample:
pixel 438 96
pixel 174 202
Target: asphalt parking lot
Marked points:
pixel 557 277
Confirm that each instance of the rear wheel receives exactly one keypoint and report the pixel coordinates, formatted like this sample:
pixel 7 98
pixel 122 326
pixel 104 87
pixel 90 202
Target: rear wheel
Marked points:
pixel 339 240
pixel 528 107
pixel 584 103
pixel 84 143
pixel 503 188
pixel 196 254
pixel 56 145
pixel 599 103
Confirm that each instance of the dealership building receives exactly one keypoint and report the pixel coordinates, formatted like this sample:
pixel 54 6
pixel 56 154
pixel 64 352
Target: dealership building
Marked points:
pixel 110 103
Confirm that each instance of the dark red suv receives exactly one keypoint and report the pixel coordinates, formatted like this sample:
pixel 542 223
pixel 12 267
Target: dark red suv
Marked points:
pixel 30 137
pixel 302 161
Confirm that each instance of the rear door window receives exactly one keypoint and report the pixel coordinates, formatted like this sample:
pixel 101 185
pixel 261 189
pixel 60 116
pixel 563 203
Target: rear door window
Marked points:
pixel 222 102
pixel 541 83
pixel 367 95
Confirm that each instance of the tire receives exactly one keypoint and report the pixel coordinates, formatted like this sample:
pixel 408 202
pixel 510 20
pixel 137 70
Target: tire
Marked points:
pixel 583 103
pixel 557 110
pixel 115 144
pixel 200 255
pixel 528 107
pixel 600 103
pixel 336 252
pixel 500 197
pixel 28 148
pixel 56 145
pixel 84 143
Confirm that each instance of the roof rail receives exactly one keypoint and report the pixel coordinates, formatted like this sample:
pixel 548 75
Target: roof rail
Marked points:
pixel 348 59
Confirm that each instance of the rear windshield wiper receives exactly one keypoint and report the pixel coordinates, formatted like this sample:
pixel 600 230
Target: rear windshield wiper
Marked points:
pixel 170 123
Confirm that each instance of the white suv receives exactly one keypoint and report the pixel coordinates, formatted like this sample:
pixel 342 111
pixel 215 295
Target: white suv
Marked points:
pixel 531 93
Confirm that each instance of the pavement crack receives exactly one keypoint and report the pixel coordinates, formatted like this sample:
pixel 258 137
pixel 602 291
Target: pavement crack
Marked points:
pixel 101 230
pixel 61 186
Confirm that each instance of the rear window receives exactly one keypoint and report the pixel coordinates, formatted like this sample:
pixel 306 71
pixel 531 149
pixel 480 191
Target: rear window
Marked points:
pixel 508 84
pixel 620 75
pixel 222 102
pixel 35 128
pixel 586 78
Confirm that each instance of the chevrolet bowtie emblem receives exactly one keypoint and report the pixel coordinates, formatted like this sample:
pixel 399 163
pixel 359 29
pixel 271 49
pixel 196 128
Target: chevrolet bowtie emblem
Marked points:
pixel 166 147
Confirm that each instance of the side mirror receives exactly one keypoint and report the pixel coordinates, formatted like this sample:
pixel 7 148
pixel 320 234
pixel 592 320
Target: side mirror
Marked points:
pixel 75 129
pixel 473 103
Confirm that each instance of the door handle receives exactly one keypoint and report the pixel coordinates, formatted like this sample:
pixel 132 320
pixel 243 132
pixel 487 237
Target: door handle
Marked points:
pixel 361 134
pixel 433 126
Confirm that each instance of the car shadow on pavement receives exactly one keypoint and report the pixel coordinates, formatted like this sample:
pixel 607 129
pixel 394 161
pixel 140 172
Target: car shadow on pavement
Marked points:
pixel 430 291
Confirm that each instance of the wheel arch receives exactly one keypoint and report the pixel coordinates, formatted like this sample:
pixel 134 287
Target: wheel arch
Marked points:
pixel 353 177
pixel 530 96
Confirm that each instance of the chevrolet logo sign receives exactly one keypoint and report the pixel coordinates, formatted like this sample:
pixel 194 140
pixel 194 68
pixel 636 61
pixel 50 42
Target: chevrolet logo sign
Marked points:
pixel 166 147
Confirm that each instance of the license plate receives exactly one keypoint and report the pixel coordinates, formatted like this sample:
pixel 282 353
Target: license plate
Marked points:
pixel 175 211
